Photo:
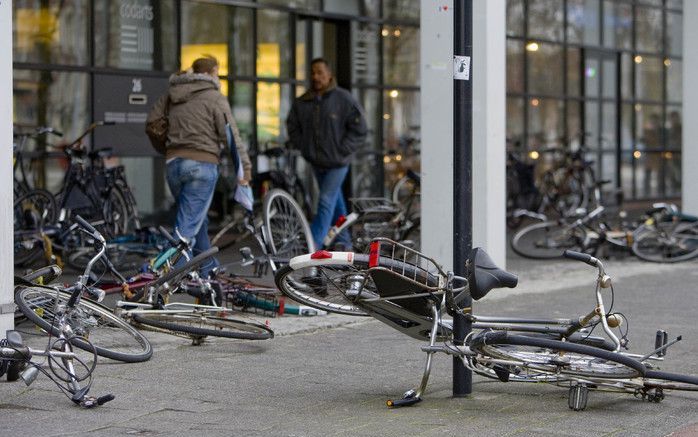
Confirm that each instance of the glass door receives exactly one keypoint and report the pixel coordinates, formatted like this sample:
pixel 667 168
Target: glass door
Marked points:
pixel 601 117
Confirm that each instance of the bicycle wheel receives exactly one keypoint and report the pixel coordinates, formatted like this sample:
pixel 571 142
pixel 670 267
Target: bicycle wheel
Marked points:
pixel 115 213
pixel 667 242
pixel 128 262
pixel 288 230
pixel 202 324
pixel 555 357
pixel 548 240
pixel 411 236
pixel 327 287
pixel 31 210
pixel 112 337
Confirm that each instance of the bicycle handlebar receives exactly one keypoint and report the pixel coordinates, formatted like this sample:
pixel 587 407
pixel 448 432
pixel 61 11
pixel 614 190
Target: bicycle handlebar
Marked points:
pixel 89 228
pixel 583 257
pixel 89 129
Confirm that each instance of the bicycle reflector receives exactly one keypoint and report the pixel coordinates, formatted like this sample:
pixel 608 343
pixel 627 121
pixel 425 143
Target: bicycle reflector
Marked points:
pixel 340 221
pixel 321 254
pixel 373 253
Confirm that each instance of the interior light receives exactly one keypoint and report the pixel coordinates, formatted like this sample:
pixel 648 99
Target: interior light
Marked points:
pixel 535 102
pixel 386 116
pixel 638 107
pixel 385 32
pixel 533 154
pixel 638 59
pixel 396 32
pixel 394 93
pixel 637 154
pixel 532 47
pixel 667 62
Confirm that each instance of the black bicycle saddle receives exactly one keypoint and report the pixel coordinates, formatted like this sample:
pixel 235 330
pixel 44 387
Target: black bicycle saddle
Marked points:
pixel 484 275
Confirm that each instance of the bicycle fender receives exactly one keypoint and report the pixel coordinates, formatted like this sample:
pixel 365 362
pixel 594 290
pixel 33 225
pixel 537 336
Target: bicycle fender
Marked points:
pixel 322 258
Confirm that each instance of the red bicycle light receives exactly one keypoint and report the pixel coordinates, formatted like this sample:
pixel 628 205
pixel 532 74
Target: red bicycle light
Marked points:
pixel 340 221
pixel 321 254
pixel 373 254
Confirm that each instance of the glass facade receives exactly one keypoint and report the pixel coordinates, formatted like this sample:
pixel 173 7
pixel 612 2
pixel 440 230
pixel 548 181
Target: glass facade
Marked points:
pixel 63 49
pixel 605 74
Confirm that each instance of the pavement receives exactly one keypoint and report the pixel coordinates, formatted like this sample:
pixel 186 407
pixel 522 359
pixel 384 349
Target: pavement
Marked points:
pixel 331 374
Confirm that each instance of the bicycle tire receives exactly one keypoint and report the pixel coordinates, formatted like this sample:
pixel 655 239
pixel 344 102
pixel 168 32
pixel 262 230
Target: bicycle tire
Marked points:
pixel 557 357
pixel 324 287
pixel 670 381
pixel 667 245
pixel 412 236
pixel 115 213
pixel 202 325
pixel 131 205
pixel 128 262
pixel 547 240
pixel 288 230
pixel 111 336
pixel 31 210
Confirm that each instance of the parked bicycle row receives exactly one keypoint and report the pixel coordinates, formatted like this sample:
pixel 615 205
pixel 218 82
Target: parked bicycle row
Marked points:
pixel 564 209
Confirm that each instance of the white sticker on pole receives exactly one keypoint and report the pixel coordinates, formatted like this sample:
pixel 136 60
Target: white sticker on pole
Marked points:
pixel 461 67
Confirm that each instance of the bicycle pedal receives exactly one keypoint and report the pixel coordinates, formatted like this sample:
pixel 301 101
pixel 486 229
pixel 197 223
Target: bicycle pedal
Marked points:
pixel 578 397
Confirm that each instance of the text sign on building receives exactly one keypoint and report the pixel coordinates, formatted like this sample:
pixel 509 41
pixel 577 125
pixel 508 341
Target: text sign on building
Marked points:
pixel 136 37
pixel 125 101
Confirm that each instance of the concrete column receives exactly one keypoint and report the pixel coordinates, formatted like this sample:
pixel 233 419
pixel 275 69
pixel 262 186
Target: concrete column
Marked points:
pixel 689 148
pixel 436 73
pixel 489 128
pixel 6 226
pixel 489 118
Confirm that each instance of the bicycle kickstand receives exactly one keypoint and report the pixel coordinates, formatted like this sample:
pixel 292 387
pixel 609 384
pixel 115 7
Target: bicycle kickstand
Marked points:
pixel 413 396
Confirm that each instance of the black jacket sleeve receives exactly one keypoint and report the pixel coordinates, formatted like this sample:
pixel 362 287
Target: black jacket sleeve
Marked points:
pixel 355 130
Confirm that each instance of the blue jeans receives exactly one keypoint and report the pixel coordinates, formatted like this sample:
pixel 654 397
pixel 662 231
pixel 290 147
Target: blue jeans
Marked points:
pixel 331 204
pixel 192 184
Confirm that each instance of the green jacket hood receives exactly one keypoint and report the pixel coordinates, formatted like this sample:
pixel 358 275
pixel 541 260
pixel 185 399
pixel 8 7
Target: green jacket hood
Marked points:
pixel 183 86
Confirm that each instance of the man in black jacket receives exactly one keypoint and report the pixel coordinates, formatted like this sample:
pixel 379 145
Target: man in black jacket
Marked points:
pixel 327 125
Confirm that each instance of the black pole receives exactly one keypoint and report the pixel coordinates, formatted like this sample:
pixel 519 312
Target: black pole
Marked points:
pixel 462 174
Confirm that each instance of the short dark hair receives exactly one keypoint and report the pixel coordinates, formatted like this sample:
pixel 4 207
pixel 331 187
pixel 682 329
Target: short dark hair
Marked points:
pixel 205 64
pixel 321 61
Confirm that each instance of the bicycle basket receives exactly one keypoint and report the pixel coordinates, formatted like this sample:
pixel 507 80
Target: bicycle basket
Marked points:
pixel 374 205
pixel 406 262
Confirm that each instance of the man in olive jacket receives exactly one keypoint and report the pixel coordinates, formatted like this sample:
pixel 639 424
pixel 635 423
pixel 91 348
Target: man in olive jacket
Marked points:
pixel 327 125
pixel 196 138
